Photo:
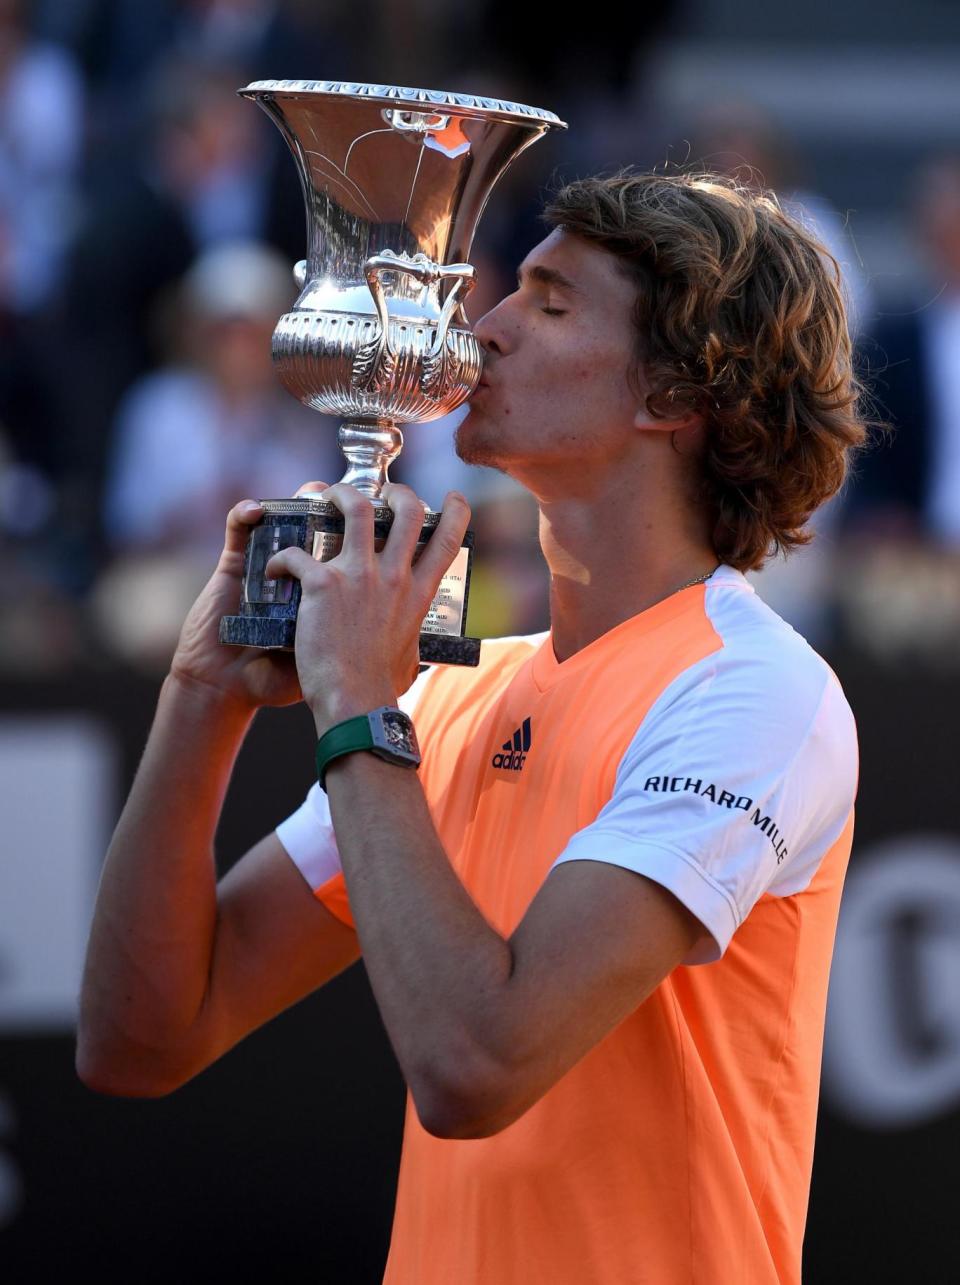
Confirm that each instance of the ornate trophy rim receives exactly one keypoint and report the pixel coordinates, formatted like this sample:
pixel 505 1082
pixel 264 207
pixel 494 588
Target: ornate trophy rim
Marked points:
pixel 394 95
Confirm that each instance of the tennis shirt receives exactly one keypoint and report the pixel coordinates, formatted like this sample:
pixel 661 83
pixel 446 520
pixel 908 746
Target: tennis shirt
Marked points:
pixel 702 744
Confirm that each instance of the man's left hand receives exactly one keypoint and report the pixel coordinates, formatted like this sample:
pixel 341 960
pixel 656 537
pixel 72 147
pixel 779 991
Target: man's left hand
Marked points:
pixel 360 614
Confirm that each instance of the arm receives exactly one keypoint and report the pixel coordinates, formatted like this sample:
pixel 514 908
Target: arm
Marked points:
pixel 178 970
pixel 483 1027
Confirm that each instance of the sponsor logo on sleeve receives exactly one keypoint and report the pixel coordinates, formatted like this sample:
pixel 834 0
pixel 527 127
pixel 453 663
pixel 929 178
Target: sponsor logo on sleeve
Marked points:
pixel 722 799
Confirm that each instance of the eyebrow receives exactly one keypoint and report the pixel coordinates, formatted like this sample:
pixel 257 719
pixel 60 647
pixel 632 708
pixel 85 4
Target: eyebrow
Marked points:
pixel 547 277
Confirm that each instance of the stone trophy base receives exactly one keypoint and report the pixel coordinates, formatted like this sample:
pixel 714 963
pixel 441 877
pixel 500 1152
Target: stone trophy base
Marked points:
pixel 268 608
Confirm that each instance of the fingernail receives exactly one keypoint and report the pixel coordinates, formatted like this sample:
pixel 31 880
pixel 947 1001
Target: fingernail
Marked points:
pixel 251 506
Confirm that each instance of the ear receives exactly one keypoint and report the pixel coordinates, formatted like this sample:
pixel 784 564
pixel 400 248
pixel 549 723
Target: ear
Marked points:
pixel 685 425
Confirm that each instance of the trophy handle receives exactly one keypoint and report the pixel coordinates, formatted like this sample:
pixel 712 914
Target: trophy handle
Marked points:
pixel 436 372
pixel 376 360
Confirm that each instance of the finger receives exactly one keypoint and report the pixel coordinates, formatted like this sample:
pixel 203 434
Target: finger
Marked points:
pixel 408 511
pixel 357 518
pixel 239 521
pixel 311 486
pixel 445 543
pixel 292 561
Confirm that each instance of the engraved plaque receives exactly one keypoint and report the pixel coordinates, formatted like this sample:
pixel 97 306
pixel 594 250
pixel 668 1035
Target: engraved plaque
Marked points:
pixel 446 611
pixel 265 541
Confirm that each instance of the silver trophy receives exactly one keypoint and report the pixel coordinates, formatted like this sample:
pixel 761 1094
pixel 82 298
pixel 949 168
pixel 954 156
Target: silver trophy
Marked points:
pixel 395 181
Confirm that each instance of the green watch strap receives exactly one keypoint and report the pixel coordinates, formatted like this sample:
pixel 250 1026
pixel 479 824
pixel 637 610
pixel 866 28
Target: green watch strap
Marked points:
pixel 346 737
pixel 387 732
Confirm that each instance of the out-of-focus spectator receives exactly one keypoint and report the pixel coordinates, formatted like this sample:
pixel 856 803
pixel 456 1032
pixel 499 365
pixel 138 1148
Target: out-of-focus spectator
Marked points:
pixel 200 176
pixel 212 153
pixel 245 33
pixel 899 580
pixel 195 437
pixel 41 131
pixel 41 123
pixel 42 633
pixel 742 140
pixel 120 42
pixel 910 486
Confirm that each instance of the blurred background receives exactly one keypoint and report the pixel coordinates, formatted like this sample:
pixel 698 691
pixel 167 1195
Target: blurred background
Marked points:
pixel 149 220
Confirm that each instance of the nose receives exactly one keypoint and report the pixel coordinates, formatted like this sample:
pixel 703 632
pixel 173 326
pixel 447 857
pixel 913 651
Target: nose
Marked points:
pixel 491 331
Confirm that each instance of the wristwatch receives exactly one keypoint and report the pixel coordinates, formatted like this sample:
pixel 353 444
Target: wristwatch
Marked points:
pixel 387 732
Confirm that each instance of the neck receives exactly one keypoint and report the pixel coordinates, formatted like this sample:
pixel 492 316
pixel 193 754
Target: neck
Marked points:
pixel 610 559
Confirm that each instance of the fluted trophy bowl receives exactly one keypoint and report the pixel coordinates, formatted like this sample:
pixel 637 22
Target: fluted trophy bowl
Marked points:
pixel 394 181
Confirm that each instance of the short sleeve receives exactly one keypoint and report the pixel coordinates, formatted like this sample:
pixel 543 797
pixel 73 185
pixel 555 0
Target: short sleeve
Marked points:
pixel 308 837
pixel 307 834
pixel 739 780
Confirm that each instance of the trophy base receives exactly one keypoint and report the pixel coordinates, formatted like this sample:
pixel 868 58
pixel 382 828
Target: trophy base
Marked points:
pixel 257 631
pixel 442 649
pixel 249 631
pixel 268 609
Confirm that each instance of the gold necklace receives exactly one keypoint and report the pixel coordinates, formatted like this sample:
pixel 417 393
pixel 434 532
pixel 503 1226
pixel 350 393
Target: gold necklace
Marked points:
pixel 698 579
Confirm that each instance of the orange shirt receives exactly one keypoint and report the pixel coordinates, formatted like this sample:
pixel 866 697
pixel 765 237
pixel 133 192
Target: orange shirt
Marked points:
pixel 702 744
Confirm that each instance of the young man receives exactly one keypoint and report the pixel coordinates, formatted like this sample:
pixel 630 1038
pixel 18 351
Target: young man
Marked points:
pixel 598 921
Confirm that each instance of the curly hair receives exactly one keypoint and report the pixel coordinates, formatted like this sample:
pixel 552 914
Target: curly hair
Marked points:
pixel 740 319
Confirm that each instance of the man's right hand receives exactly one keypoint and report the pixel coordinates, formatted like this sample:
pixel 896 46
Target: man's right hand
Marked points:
pixel 248 676
pixel 179 968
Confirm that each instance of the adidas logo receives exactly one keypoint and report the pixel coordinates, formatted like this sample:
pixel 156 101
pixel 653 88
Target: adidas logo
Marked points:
pixel 516 750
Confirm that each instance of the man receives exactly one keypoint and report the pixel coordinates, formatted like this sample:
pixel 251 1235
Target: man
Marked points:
pixel 664 780
pixel 910 490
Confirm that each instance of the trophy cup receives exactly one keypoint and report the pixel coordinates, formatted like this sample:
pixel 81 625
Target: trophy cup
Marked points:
pixel 395 181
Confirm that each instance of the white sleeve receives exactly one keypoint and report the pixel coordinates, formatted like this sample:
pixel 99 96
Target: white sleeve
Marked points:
pixel 307 834
pixel 738 781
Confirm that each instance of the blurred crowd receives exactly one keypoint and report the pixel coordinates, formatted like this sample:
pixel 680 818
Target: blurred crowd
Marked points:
pixel 149 220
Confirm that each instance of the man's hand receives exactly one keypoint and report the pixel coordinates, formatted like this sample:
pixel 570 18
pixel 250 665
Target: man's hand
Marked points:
pixel 249 676
pixel 360 615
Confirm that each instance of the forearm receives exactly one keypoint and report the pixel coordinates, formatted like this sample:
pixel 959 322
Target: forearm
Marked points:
pixel 438 970
pixel 151 942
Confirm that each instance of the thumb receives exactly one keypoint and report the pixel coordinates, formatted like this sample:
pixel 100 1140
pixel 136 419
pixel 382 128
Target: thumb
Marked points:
pixel 239 521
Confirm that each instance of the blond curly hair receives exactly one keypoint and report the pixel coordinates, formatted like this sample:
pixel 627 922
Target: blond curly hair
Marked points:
pixel 740 319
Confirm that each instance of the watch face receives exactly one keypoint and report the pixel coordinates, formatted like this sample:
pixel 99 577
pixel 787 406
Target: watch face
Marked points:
pixel 399 734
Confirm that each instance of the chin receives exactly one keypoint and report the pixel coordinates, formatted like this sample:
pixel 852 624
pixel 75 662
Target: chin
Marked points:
pixel 473 445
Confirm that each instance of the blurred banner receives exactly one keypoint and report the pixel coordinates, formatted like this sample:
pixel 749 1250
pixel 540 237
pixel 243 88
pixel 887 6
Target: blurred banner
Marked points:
pixel 58 806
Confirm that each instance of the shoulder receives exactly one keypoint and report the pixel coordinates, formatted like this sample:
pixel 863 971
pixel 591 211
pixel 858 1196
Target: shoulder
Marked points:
pixel 741 776
pixel 762 702
pixel 761 662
